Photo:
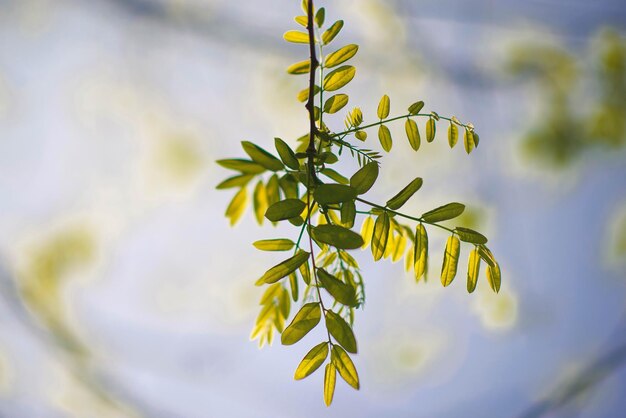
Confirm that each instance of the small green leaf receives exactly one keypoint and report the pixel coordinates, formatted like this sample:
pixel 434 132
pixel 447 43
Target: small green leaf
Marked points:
pixel 365 177
pixel 341 331
pixel 235 181
pixel 473 269
pixel 285 209
pixel 237 206
pixel 412 133
pixel 344 366
pixel 453 134
pixel 469 141
pixel 241 165
pixel 340 56
pixel 286 154
pixel 431 129
pixel 284 268
pixel 312 361
pixel 494 277
pixel 415 108
pixel 319 17
pixel 476 138
pixel 296 36
pixel 420 253
pixel 339 77
pixel 276 244
pixel 360 135
pixel 330 378
pixel 337 236
pixel 342 292
pixel 405 194
pixel 348 213
pixel 262 157
pixel 469 235
pixel 335 103
pixel 443 213
pixel 305 320
pixel 384 136
pixel 331 32
pixel 302 67
pixel 450 260
pixel 380 236
pixel 334 193
pixel 383 107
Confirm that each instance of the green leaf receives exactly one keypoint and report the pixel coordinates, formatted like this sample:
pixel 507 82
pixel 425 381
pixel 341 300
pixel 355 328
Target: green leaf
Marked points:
pixel 342 292
pixel 302 67
pixel 235 181
pixel 412 133
pixel 241 165
pixel 340 56
pixel 303 95
pixel 319 17
pixel 262 157
pixel 469 141
pixel 293 284
pixel 284 268
pixel 473 269
pixel 276 244
pixel 305 320
pixel 383 107
pixel 431 129
pixel 312 361
pixel 420 255
pixel 450 260
pixel 469 235
pixel 384 136
pixel 330 378
pixel 332 174
pixel 341 331
pixel 476 138
pixel 344 366
pixel 453 134
pixel 296 37
pixel 405 194
pixel 365 177
pixel 286 154
pixel 335 103
pixel 443 213
pixel 331 32
pixel 348 213
pixel 494 277
pixel 285 209
pixel 339 77
pixel 273 190
pixel 360 135
pixel 486 255
pixel 337 236
pixel 259 200
pixel 380 236
pixel 237 206
pixel 334 193
pixel 415 108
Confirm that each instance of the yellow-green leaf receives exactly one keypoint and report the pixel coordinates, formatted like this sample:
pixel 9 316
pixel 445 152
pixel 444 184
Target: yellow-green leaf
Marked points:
pixel 303 95
pixel 415 108
pixel 331 32
pixel 344 366
pixel 235 181
pixel 367 229
pixel 302 67
pixel 486 255
pixel 259 200
pixel 334 193
pixel 443 213
pixel 348 213
pixel 301 20
pixel 330 377
pixel 305 320
pixel 360 135
pixel 273 190
pixel 284 268
pixel 469 235
pixel 285 209
pixel 332 174
pixel 412 133
pixel 286 154
pixel 473 268
pixel 450 260
pixel 476 138
pixel 380 236
pixel 399 246
pixel 431 129
pixel 342 292
pixel 453 134
pixel 469 141
pixel 262 157
pixel 383 107
pixel 341 331
pixel 241 165
pixel 420 251
pixel 237 206
pixel 365 177
pixel 319 17
pixel 339 77
pixel 312 361
pixel 494 277
pixel 337 236
pixel 296 36
pixel 276 244
pixel 340 56
pixel 384 136
pixel 405 194
pixel 335 103
pixel 293 284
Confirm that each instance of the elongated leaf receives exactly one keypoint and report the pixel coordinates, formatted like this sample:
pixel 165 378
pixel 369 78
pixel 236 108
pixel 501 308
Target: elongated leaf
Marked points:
pixel 486 255
pixel 335 103
pixel 276 244
pixel 241 165
pixel 342 292
pixel 296 36
pixel 262 157
pixel 405 194
pixel 469 235
pixel 344 366
pixel 319 17
pixel 348 213
pixel 334 193
pixel 453 134
pixel 237 206
pixel 384 136
pixel 473 269
pixel 235 181
pixel 305 320
pixel 399 246
pixel 339 77
pixel 383 107
pixel 340 56
pixel 431 129
pixel 380 236
pixel 412 133
pixel 330 378
pixel 494 277
pixel 312 361
pixel 443 213
pixel 301 20
pixel 365 177
pixel 273 190
pixel 285 209
pixel 303 95
pixel 332 174
pixel 341 331
pixel 415 108
pixel 450 260
pixel 331 32
pixel 259 200
pixel 476 138
pixel 469 140
pixel 420 253
pixel 293 284
pixel 367 230
pixel 302 67
pixel 286 154
pixel 337 236
pixel 284 268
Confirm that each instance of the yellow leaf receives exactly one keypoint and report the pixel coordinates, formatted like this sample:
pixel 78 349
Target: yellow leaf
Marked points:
pixel 473 268
pixel 340 56
pixel 237 206
pixel 450 260
pixel 367 229
pixel 420 251
pixel 331 32
pixel 383 107
pixel 259 199
pixel 494 277
pixel 453 134
pixel 312 361
pixel 384 136
pixel 302 67
pixel 344 366
pixel 330 377
pixel 339 77
pixel 296 36
pixel 431 129
pixel 380 236
pixel 412 133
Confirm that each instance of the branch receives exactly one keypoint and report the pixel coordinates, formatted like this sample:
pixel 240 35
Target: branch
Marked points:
pixel 310 103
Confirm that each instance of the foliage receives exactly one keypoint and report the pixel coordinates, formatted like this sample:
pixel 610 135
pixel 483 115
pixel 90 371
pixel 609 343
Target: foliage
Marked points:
pixel 299 186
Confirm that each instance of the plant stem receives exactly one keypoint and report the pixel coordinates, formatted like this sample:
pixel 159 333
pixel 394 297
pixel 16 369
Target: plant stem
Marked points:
pixel 360 128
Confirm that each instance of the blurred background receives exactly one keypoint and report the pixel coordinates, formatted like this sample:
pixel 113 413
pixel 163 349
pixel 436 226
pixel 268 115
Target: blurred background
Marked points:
pixel 125 293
